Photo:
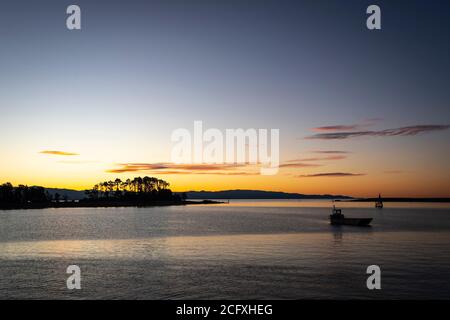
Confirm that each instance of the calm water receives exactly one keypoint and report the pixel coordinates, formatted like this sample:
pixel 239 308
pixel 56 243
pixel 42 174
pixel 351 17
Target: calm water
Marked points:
pixel 244 250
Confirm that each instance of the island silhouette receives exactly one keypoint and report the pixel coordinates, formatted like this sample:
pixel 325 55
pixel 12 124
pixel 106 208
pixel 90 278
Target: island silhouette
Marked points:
pixel 140 191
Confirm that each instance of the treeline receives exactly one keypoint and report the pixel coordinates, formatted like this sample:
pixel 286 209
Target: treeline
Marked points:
pixel 22 195
pixel 141 189
pixel 138 191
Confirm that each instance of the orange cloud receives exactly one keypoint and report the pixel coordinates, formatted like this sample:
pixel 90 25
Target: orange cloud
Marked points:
pixel 330 152
pixel 59 153
pixel 295 164
pixel 300 163
pixel 332 174
pixel 336 157
pixel 170 168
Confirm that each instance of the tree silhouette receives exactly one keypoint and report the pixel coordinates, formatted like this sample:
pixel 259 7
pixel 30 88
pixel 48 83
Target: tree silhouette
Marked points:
pixel 138 189
pixel 22 195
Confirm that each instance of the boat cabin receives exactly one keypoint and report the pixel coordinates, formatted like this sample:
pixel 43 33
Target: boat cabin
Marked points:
pixel 337 212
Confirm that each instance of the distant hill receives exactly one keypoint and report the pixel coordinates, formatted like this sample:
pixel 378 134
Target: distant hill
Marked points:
pixel 226 194
pixel 257 194
pixel 70 194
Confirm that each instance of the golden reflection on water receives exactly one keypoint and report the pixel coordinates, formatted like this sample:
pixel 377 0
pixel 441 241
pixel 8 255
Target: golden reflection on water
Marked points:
pixel 218 247
pixel 326 204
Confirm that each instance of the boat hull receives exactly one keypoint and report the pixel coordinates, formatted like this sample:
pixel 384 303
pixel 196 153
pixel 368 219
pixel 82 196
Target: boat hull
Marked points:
pixel 350 221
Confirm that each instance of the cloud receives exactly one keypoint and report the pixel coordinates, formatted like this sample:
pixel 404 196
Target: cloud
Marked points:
pixel 403 131
pixel 338 135
pixel 305 162
pixel 300 163
pixel 295 164
pixel 59 153
pixel 232 173
pixel 171 168
pixel 330 152
pixel 337 128
pixel 327 158
pixel 332 174
pixel 349 127
pixel 236 173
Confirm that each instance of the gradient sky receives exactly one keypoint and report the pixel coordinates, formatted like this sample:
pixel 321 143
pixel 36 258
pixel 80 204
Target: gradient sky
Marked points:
pixel 113 92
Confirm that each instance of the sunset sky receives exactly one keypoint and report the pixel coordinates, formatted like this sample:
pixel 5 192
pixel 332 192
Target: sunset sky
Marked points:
pixel 359 112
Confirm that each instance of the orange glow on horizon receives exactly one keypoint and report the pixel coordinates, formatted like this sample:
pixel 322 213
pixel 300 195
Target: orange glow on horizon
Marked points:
pixel 364 186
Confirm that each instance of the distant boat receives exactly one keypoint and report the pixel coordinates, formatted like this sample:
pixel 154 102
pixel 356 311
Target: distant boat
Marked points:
pixel 337 218
pixel 379 203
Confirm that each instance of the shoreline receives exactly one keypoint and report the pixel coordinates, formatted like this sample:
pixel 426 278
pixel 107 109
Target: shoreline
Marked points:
pixel 428 200
pixel 106 204
pixel 138 204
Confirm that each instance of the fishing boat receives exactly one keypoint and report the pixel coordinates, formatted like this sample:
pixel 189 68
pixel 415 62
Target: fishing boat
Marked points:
pixel 337 218
pixel 379 203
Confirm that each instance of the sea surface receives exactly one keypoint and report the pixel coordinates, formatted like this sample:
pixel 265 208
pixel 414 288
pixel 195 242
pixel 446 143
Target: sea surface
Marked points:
pixel 242 250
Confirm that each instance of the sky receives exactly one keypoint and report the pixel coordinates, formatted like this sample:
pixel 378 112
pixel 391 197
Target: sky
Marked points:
pixel 359 111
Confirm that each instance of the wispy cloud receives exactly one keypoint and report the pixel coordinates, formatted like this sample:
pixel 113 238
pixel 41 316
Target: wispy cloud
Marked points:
pixel 330 152
pixel 297 164
pixel 349 127
pixel 332 174
pixel 301 162
pixel 171 168
pixel 59 153
pixel 221 173
pixel 235 173
pixel 403 131
pixel 337 128
pixel 306 162
pixel 327 158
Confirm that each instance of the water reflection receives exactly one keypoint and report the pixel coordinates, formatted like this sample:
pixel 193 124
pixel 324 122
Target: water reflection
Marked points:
pixel 338 235
pixel 224 252
pixel 327 204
